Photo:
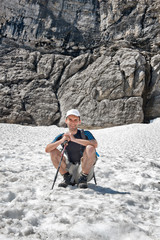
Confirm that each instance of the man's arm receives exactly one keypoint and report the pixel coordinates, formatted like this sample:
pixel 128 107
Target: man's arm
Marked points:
pixel 84 142
pixel 51 146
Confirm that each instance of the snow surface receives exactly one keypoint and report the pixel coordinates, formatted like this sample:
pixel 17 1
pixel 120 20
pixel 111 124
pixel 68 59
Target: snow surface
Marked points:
pixel 125 204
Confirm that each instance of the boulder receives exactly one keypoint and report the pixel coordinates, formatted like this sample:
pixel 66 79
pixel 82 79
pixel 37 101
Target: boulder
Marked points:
pixel 108 92
pixel 26 96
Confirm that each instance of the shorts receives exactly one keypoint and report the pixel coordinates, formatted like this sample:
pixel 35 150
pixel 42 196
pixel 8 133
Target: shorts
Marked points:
pixel 76 169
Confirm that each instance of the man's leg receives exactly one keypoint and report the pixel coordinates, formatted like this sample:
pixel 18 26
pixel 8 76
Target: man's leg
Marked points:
pixel 88 160
pixel 87 164
pixel 56 157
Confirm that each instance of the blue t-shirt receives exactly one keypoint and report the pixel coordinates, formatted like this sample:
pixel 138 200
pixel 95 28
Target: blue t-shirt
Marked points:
pixel 74 150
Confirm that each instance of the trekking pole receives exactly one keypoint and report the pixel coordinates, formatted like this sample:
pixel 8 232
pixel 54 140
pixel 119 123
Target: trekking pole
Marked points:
pixel 55 178
pixel 94 177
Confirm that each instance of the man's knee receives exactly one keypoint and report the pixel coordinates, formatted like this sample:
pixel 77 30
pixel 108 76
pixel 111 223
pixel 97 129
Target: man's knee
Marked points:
pixel 55 153
pixel 89 155
pixel 90 149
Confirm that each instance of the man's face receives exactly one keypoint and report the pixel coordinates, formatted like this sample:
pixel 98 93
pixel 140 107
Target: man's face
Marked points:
pixel 72 122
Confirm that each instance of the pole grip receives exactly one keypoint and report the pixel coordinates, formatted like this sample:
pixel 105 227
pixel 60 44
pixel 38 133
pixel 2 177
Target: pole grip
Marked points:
pixel 65 142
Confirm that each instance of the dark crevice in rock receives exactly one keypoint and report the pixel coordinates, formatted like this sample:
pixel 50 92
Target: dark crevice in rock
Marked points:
pixel 61 11
pixel 127 11
pixel 55 89
pixel 146 91
pixel 23 105
pixel 142 22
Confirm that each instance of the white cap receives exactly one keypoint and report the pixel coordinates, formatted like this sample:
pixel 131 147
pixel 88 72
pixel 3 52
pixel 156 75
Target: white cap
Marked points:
pixel 74 112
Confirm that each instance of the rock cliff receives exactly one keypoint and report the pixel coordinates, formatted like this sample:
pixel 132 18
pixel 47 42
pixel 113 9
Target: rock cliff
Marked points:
pixel 102 57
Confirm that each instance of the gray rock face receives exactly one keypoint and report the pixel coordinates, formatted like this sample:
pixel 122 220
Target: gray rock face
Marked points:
pixel 152 107
pixel 101 57
pixel 65 26
pixel 108 92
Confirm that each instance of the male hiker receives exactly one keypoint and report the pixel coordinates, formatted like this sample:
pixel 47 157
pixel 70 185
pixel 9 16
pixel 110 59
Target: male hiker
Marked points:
pixel 77 166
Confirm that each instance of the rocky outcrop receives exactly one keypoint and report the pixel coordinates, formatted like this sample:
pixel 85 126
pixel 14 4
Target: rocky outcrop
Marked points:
pixel 108 92
pixel 101 57
pixel 152 103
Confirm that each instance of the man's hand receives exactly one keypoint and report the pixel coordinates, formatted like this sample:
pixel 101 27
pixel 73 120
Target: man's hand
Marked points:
pixel 69 137
pixel 66 137
pixel 72 138
pixel 83 142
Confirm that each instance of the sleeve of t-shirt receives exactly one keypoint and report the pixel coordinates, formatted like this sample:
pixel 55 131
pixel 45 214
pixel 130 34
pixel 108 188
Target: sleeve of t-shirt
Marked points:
pixel 89 135
pixel 57 138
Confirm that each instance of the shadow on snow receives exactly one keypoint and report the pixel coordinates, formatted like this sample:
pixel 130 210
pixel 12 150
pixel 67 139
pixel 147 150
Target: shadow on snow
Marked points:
pixel 104 190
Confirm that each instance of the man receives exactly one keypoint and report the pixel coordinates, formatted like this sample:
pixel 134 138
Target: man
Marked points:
pixel 78 164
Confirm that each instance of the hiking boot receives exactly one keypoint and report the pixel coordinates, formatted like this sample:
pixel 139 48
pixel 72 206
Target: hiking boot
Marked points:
pixel 66 181
pixel 82 182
